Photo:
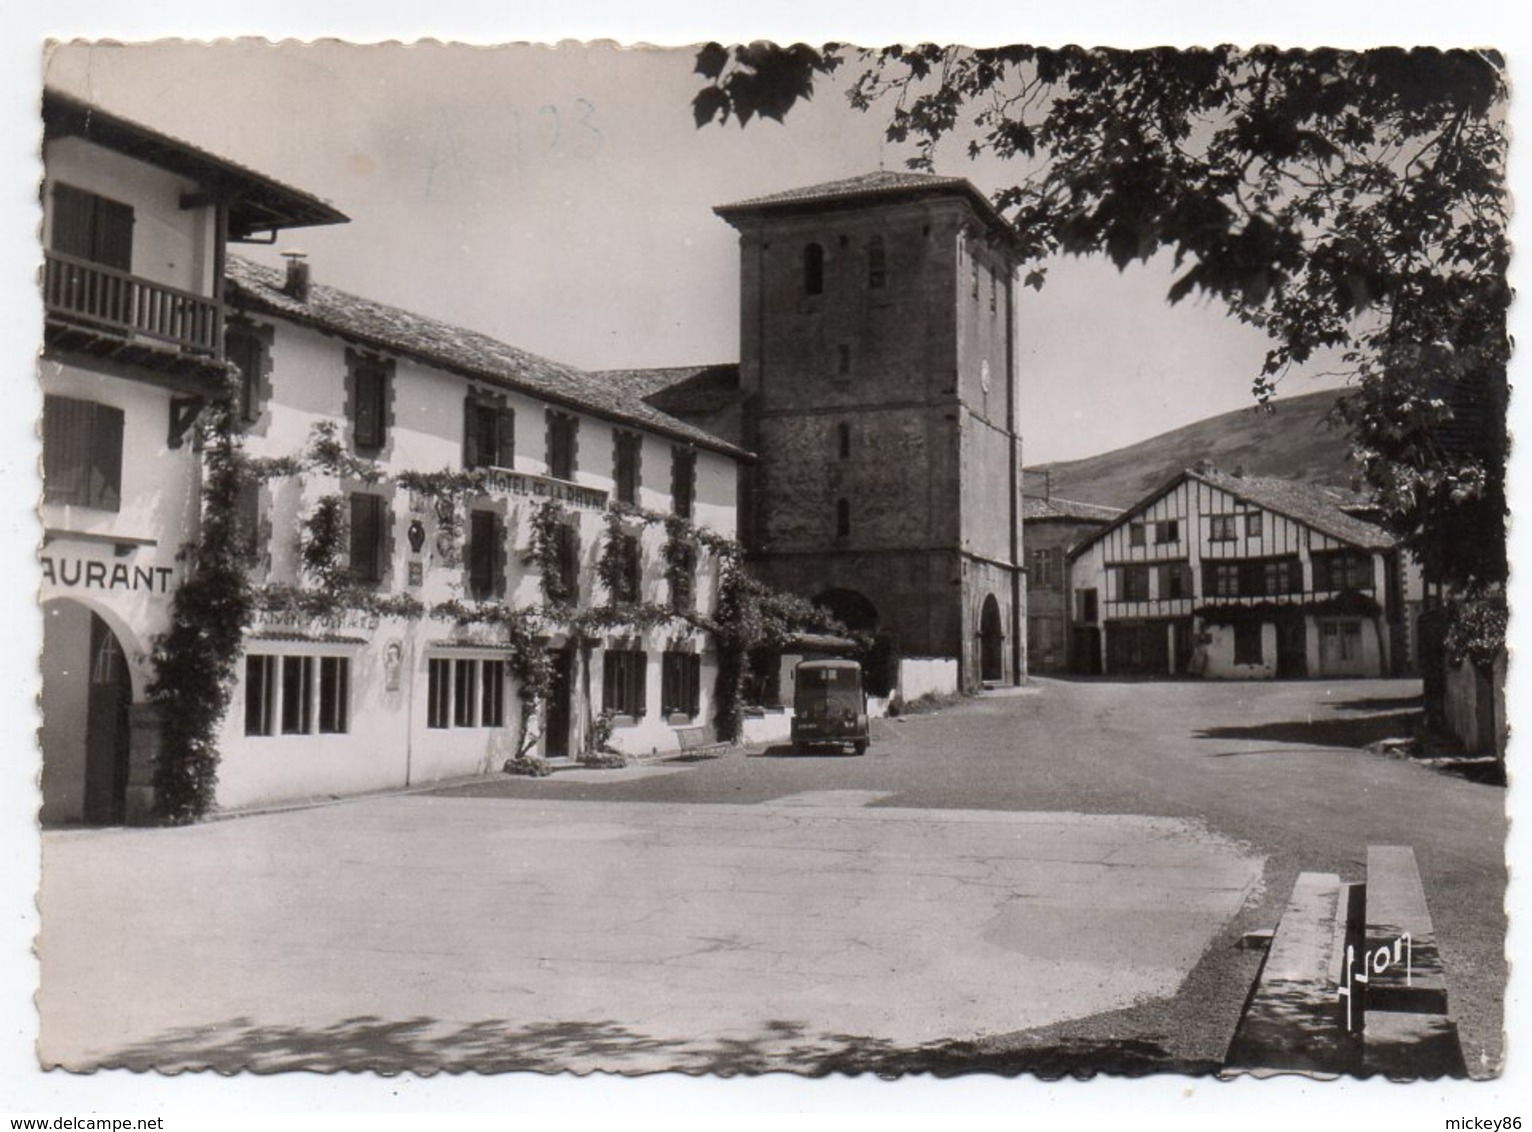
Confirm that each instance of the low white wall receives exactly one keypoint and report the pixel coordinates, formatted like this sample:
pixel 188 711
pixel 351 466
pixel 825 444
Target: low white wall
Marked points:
pixel 766 730
pixel 924 675
pixel 1220 655
pixel 1466 696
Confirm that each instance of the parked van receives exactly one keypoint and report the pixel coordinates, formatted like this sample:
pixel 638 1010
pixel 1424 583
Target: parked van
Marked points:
pixel 829 705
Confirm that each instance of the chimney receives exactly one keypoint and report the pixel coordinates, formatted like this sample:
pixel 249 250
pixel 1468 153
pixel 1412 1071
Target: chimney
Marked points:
pixel 1239 471
pixel 297 285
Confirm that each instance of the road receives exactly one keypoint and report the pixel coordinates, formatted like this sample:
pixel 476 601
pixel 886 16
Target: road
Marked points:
pixel 1051 881
pixel 1275 766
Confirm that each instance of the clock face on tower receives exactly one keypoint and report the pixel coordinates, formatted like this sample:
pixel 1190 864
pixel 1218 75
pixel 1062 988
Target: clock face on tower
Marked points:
pixel 984 375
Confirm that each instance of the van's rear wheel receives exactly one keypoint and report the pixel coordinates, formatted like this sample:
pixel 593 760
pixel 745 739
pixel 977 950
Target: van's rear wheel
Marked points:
pixel 860 748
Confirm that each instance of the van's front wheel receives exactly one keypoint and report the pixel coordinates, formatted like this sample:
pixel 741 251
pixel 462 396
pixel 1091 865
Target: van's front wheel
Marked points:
pixel 860 748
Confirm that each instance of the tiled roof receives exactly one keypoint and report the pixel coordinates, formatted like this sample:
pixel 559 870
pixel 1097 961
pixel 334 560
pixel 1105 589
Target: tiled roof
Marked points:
pixel 1033 510
pixel 882 183
pixel 868 184
pixel 1329 510
pixel 465 352
pixel 680 389
pixel 1326 509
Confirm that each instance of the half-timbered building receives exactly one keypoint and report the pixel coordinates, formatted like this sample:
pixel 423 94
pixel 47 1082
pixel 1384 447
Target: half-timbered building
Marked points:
pixel 1228 575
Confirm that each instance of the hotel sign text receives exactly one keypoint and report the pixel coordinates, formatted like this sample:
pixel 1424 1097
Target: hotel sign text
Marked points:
pixel 96 574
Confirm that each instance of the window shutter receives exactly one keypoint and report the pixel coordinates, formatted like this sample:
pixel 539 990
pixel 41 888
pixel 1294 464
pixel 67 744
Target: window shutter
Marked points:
pixel 73 222
pixel 245 350
pixel 368 534
pixel 569 562
pixel 497 557
pixel 481 553
pixel 106 458
pixel 66 449
pixel 470 434
pixel 114 234
pixel 683 467
pixel 669 695
pixel 505 438
pixel 640 684
pixel 369 391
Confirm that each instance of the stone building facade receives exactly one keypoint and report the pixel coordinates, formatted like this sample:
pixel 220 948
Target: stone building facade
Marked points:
pixel 877 387
pixel 1052 526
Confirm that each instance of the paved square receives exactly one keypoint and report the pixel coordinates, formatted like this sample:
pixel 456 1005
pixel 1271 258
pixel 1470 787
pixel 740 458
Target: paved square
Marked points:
pixel 419 932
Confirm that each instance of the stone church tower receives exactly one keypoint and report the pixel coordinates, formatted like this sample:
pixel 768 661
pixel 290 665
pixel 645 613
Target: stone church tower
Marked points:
pixel 877 384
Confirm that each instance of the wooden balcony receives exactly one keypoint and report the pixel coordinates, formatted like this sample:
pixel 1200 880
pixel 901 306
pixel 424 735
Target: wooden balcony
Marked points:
pixel 130 307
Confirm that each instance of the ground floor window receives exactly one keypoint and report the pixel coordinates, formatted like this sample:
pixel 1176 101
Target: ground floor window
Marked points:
pixel 465 692
pixel 493 710
pixel 260 694
pixel 681 674
pixel 623 690
pixel 297 694
pixel 1247 643
pixel 334 694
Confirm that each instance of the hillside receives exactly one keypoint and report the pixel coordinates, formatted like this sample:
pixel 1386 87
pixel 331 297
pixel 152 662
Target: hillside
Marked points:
pixel 1294 440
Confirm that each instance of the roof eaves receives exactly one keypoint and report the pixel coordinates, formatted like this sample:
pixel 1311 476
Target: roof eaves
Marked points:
pixel 946 186
pixel 287 207
pixel 307 316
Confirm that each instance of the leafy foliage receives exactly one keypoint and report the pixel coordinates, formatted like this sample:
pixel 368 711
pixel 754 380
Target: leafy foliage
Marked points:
pixel 547 521
pixel 751 615
pixel 323 540
pixel 531 667
pixel 1352 202
pixel 195 659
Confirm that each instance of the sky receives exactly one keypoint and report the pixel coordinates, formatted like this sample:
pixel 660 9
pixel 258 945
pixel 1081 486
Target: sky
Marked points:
pixel 561 200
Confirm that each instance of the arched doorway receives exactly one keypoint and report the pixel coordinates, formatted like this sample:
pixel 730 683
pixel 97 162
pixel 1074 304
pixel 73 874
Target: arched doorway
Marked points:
pixel 851 609
pixel 87 690
pixel 991 642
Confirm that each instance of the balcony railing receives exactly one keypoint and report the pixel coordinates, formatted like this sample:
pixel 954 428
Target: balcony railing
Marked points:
pixel 1183 606
pixel 86 292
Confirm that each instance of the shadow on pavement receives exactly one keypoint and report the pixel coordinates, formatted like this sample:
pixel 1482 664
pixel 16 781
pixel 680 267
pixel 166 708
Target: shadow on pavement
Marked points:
pixel 423 1045
pixel 788 751
pixel 1353 732
pixel 1382 703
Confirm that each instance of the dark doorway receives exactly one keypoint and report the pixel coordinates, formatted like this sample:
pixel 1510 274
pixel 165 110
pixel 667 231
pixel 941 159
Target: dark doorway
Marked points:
pixel 558 712
pixel 1182 643
pixel 106 728
pixel 851 609
pixel 1137 649
pixel 1085 656
pixel 1292 659
pixel 991 642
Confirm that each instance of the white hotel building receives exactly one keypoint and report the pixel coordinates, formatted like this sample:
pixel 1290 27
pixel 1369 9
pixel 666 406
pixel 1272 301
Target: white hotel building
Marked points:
pixel 145 311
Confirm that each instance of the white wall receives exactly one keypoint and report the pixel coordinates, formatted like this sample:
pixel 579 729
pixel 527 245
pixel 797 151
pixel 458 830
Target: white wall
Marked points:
pixel 389 744
pixel 919 676
pixel 130 584
pixel 1220 655
pixel 171 245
